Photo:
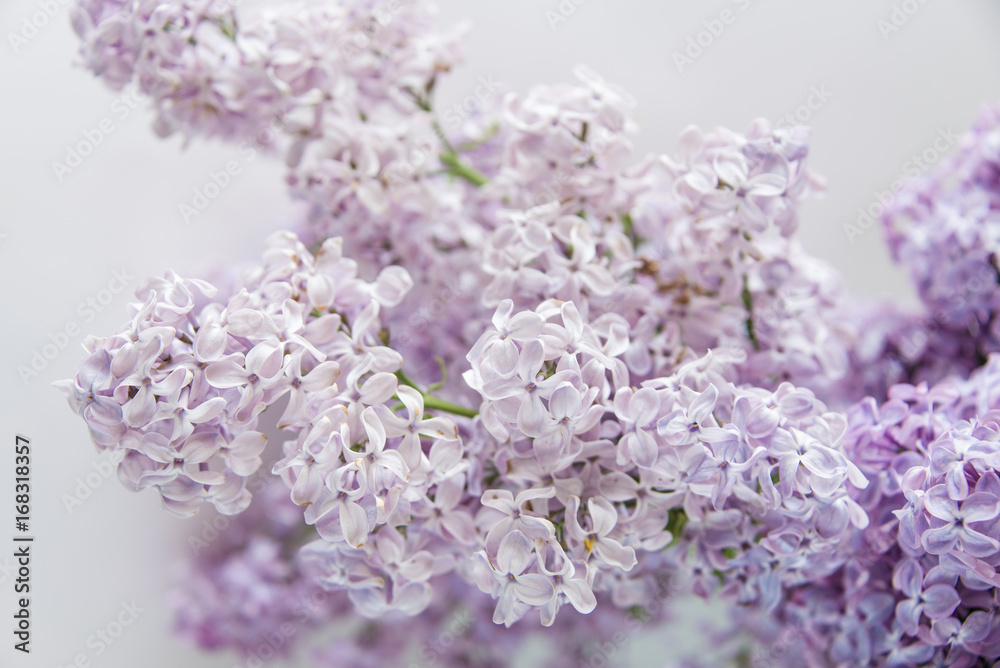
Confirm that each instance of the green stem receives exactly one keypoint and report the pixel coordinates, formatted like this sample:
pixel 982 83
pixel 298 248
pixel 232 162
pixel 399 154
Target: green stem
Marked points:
pixel 476 143
pixel 439 131
pixel 406 380
pixel 457 168
pixel 433 403
pixel 748 304
pixel 449 157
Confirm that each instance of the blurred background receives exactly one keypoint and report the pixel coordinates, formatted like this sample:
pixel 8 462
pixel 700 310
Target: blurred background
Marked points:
pixel 881 97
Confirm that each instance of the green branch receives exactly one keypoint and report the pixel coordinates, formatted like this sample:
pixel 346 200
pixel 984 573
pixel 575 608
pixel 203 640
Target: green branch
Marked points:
pixel 457 168
pixel 435 404
pixel 748 303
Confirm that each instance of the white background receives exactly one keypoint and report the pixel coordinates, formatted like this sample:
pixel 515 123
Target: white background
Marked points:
pixel 119 210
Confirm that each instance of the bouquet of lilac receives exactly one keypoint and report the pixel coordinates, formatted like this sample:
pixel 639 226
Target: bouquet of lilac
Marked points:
pixel 525 379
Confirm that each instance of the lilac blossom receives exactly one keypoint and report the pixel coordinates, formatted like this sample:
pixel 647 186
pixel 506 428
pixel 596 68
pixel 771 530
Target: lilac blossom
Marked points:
pixel 524 369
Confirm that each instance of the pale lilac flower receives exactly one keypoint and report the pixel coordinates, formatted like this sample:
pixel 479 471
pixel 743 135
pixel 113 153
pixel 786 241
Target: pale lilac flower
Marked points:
pixel 953 530
pixel 597 540
pixel 638 411
pixel 514 584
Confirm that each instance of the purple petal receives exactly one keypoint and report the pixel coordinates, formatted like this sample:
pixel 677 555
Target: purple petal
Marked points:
pixel 514 553
pixel 226 374
pixel 977 544
pixel 615 554
pixel 531 415
pixel 908 578
pixel 939 504
pixel 940 601
pixel 643 406
pixel 504 356
pixel 980 507
pixel 940 540
pixel 533 589
pixel 354 524
pixel 603 515
pixel 642 448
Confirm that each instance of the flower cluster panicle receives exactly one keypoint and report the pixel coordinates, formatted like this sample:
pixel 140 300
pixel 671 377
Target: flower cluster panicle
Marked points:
pixel 944 228
pixel 180 388
pixel 520 368
pixel 746 488
pixel 245 583
pixel 917 585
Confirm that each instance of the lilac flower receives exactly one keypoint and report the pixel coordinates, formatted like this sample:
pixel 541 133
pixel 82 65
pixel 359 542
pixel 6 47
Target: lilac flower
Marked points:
pixel 260 372
pixel 515 586
pixel 569 412
pixel 936 601
pixel 414 426
pixel 513 517
pixel 102 413
pixel 597 540
pixel 668 387
pixel 378 464
pixel 637 412
pixel 954 531
pixel 568 587
pixel 500 347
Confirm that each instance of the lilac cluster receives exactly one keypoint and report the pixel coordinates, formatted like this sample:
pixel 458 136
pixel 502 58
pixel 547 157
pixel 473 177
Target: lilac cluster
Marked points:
pixel 245 588
pixel 720 266
pixel 917 586
pixel 944 227
pixel 180 388
pixel 213 70
pixel 342 90
pixel 747 489
pixel 515 367
pixel 540 191
pixel 694 251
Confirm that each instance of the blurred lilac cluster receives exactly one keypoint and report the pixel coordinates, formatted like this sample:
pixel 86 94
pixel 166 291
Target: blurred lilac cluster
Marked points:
pixel 518 370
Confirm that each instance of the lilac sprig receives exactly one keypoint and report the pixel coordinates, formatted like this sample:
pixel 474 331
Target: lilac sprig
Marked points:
pixel 179 390
pixel 917 586
pixel 943 227
pixel 748 489
pixel 649 360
